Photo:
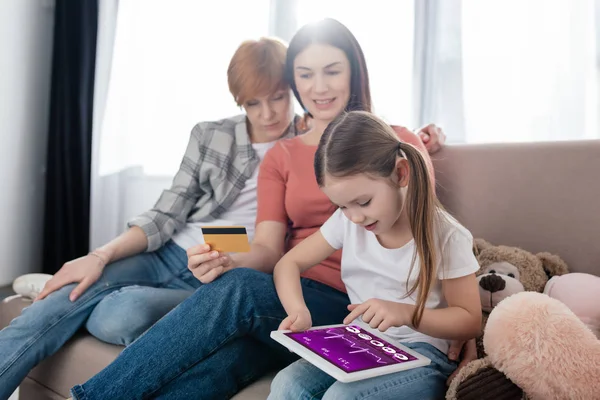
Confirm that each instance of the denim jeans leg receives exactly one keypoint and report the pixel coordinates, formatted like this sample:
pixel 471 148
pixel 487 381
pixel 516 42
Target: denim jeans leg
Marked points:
pixel 125 314
pixel 44 326
pixel 242 302
pixel 424 383
pixel 302 380
pixel 244 359
pixel 122 316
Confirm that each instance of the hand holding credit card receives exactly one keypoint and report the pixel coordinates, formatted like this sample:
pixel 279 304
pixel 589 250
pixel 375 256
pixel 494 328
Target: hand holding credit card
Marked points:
pixel 226 239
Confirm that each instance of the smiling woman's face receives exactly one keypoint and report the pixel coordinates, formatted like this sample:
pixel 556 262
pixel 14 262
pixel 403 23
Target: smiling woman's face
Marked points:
pixel 322 77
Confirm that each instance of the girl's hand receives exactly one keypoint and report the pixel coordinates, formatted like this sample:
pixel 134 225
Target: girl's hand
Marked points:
pixel 381 314
pixel 465 351
pixel 207 265
pixel 297 321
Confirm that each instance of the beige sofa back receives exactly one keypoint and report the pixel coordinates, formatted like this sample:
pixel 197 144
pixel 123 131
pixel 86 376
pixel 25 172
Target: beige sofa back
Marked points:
pixel 537 196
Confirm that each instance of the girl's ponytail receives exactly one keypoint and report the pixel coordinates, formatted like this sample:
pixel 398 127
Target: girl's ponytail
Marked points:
pixel 422 212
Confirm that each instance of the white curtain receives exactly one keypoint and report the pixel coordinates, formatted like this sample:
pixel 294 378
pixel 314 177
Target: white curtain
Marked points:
pixel 510 70
pixel 438 67
pixel 103 209
pixel 161 69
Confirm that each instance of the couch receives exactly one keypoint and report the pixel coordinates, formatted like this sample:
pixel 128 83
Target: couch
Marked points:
pixel 538 196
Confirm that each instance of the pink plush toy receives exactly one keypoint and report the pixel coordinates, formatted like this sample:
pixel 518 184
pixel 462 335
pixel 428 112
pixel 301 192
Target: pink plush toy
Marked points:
pixel 581 293
pixel 543 347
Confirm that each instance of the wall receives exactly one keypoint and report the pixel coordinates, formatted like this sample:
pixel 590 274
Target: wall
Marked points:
pixel 26 30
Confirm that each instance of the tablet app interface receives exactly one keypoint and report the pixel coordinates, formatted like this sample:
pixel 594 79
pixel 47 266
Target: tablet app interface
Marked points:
pixel 351 348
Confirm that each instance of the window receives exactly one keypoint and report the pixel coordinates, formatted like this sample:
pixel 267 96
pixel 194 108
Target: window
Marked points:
pixel 168 73
pixel 494 70
pixel 529 70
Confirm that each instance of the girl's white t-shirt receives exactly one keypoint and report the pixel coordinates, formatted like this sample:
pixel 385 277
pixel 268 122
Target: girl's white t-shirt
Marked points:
pixel 370 270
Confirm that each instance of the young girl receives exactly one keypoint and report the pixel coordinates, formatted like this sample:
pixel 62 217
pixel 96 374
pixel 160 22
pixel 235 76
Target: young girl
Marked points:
pixel 407 265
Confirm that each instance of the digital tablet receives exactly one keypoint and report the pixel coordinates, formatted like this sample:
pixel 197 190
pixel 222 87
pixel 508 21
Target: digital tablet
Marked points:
pixel 349 353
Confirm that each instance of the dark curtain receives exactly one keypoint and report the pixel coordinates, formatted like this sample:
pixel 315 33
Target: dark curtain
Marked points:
pixel 67 206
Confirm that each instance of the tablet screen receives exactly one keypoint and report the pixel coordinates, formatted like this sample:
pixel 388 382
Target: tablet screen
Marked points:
pixel 351 348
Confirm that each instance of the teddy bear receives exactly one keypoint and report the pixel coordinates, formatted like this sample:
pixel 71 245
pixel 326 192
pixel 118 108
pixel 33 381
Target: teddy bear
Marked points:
pixel 544 348
pixel 548 344
pixel 504 271
pixel 581 293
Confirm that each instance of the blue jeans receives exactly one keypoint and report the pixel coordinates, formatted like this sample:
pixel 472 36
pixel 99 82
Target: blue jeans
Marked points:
pixel 123 315
pixel 44 326
pixel 302 380
pixel 213 344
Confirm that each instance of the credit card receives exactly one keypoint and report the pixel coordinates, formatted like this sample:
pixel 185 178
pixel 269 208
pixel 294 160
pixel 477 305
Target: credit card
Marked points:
pixel 227 239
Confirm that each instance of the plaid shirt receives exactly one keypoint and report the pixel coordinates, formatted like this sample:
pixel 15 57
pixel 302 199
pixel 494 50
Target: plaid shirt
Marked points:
pixel 218 160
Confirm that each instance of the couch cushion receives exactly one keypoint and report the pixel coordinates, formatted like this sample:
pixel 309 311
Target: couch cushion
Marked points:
pixel 32 390
pixel 538 196
pixel 259 390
